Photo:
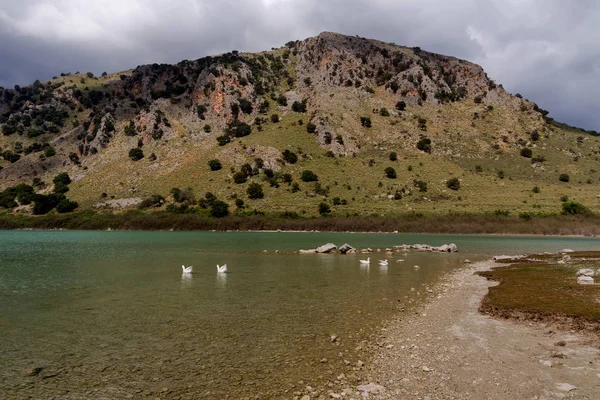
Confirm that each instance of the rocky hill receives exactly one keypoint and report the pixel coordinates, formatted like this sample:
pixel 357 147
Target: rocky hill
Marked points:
pixel 380 128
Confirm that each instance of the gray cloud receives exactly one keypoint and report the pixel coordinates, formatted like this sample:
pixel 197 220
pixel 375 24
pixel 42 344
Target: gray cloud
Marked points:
pixel 543 49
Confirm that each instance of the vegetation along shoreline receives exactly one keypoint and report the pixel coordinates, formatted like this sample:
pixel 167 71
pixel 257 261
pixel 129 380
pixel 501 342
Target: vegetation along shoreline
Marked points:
pixel 560 225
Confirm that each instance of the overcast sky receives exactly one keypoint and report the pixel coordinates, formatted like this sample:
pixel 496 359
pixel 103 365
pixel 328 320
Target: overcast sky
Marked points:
pixel 544 49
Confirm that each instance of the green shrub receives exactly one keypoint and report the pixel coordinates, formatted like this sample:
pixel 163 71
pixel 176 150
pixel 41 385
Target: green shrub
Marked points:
pixel 564 178
pixel 215 165
pixel 136 154
pixel 154 200
pixel 536 189
pixel 255 191
pixel 245 106
pixel 130 129
pixel 400 106
pixel 365 122
pixel 420 185
pixel 239 203
pixel 49 151
pixel 502 213
pixel 390 173
pixel 282 100
pixel 43 204
pixel 574 208
pixel 501 174
pixel 289 157
pixel 206 128
pixel 324 208
pixel 66 205
pixel 63 178
pixel 219 209
pixel 534 135
pixel 393 156
pixel 424 145
pixel 274 118
pixel 223 140
pixel 311 128
pixel 240 177
pixel 298 106
pixel 453 183
pixel 61 188
pixel 309 176
pixel 384 112
pixel 526 152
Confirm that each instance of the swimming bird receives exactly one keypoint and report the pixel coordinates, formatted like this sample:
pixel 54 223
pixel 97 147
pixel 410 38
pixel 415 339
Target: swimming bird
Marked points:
pixel 383 263
pixel 365 262
pixel 222 268
pixel 186 270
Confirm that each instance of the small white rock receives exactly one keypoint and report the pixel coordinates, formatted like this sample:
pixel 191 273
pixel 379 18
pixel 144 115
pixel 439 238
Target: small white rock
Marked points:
pixel 546 363
pixel 565 387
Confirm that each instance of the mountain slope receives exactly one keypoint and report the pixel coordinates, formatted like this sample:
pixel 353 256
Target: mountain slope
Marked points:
pixel 340 104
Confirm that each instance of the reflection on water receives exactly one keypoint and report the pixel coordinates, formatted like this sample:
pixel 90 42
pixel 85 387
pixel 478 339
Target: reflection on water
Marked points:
pixel 106 314
pixel 221 280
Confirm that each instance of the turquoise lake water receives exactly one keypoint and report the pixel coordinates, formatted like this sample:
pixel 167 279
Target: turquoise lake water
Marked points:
pixel 109 314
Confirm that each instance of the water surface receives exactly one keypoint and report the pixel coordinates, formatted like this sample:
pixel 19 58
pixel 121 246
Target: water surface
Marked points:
pixel 109 314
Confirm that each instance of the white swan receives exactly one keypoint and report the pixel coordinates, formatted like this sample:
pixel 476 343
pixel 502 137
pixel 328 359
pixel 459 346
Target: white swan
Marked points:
pixel 365 262
pixel 383 263
pixel 186 270
pixel 222 268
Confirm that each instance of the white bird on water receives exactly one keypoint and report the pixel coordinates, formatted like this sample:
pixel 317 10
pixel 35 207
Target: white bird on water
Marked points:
pixel 222 268
pixel 383 263
pixel 365 262
pixel 187 270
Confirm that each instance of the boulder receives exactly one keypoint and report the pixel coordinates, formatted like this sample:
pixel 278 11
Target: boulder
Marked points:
pixel 326 248
pixel 309 251
pixel 586 272
pixel 345 248
pixel 585 280
pixel 566 251
pixel 446 248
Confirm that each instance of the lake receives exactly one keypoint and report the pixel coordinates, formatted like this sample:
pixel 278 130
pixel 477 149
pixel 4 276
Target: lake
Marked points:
pixel 109 314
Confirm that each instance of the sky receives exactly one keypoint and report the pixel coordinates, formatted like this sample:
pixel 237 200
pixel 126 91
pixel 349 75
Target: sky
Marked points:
pixel 544 49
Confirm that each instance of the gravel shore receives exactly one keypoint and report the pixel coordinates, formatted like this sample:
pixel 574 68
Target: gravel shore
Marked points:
pixel 448 350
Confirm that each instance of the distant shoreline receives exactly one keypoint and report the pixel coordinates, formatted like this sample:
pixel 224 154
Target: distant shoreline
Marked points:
pixel 555 225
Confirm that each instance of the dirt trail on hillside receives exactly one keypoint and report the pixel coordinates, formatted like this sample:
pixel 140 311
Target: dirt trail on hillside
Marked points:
pixel 448 350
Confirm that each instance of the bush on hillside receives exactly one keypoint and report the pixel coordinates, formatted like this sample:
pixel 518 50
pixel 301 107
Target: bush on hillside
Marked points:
pixel 136 154
pixel 219 209
pixel 390 173
pixel 289 157
pixel 309 176
pixel 453 183
pixel 324 208
pixel 215 165
pixel 574 208
pixel 255 191
pixel 526 152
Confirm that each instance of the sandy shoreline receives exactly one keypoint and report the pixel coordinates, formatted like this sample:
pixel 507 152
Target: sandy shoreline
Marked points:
pixel 448 350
